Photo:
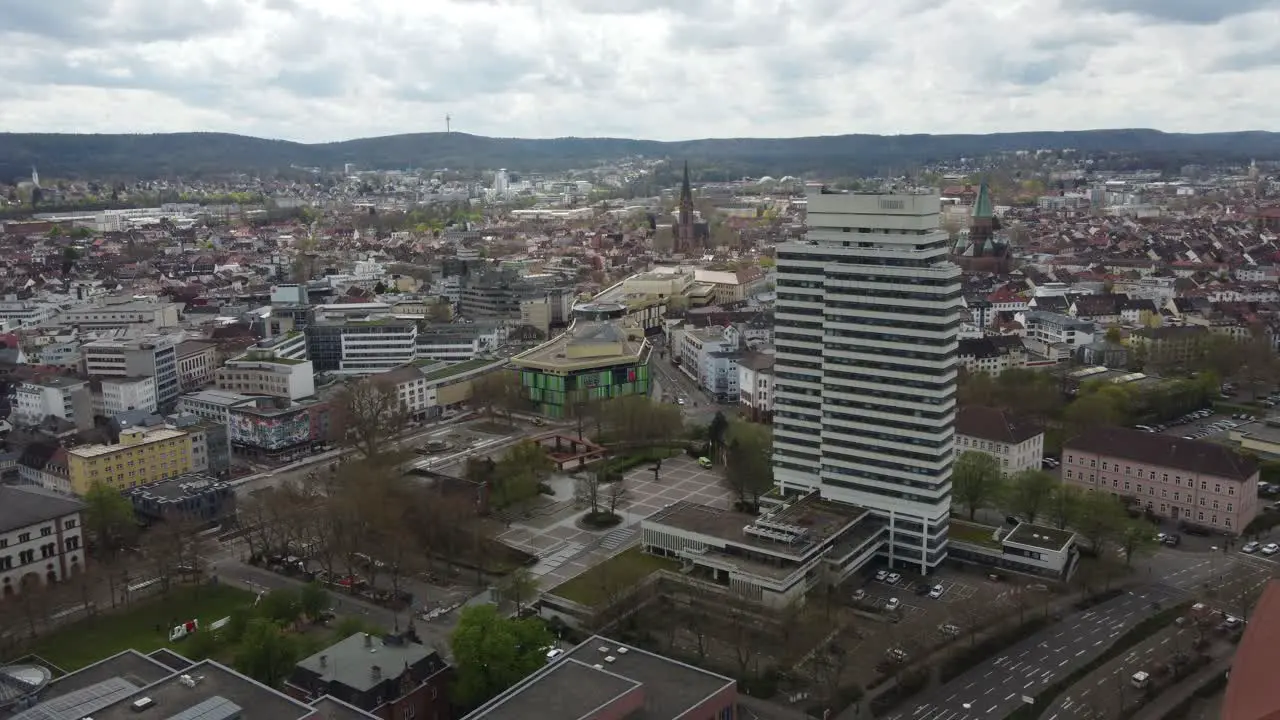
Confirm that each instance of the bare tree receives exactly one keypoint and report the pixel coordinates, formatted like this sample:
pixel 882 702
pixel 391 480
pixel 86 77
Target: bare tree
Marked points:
pixel 369 417
pixel 615 494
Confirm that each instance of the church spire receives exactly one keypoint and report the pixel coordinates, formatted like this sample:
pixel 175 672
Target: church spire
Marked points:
pixel 684 230
pixel 982 208
pixel 686 191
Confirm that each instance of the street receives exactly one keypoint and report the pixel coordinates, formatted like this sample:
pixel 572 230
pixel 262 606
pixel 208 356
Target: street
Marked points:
pixel 997 687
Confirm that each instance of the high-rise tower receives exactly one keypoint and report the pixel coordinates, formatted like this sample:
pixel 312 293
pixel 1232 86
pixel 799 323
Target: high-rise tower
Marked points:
pixel 867 318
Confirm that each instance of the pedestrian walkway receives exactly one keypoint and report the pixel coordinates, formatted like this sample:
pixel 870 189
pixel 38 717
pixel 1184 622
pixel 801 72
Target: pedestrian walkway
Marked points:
pixel 619 538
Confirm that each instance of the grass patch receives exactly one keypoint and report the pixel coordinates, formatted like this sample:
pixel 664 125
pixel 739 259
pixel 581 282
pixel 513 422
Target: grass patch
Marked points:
pixel 92 639
pixel 612 577
pixel 973 534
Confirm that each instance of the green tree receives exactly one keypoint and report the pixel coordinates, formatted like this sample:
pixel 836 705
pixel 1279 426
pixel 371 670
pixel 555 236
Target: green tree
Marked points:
pixel 282 606
pixel 716 435
pixel 1064 505
pixel 492 653
pixel 1113 335
pixel 108 519
pixel 748 462
pixel 976 481
pixel 313 600
pixel 1101 520
pixel 1136 538
pixel 498 392
pixel 1094 408
pixel 266 653
pixel 380 288
pixel 1030 493
pixel 517 475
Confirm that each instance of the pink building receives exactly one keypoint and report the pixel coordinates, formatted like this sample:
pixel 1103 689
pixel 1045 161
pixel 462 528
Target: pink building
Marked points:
pixel 1198 483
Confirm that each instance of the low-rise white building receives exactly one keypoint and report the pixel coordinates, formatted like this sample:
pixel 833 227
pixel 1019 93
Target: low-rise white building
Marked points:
pixel 68 398
pixel 1016 444
pixel 755 385
pixel 40 538
pixel 711 359
pixel 120 395
pixel 991 354
pixel 262 374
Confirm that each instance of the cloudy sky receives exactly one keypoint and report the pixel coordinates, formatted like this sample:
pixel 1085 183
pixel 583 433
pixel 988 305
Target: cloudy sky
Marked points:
pixel 318 70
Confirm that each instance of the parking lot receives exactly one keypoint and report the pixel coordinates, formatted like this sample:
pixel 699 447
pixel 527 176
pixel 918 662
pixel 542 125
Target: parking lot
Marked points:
pixel 1200 426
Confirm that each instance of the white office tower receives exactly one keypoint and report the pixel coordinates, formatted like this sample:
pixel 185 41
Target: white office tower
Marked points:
pixel 501 184
pixel 868 314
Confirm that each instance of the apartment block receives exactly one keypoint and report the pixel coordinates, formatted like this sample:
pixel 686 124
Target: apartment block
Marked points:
pixel 361 347
pixel 68 398
pixel 1194 482
pixel 711 359
pixel 143 455
pixel 197 360
pixel 755 385
pixel 1016 444
pixel 40 538
pixel 122 394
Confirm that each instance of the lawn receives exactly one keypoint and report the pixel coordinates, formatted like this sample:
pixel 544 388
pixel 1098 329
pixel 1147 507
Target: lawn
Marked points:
pixel 972 533
pixel 90 640
pixel 624 570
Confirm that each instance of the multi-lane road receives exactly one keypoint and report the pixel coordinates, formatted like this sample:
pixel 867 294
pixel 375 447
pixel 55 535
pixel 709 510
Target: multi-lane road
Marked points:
pixel 999 686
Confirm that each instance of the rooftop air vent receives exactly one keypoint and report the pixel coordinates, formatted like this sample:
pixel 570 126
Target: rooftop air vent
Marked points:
pixel 604 648
pixel 598 666
pixel 622 651
pixel 142 704
pixel 611 659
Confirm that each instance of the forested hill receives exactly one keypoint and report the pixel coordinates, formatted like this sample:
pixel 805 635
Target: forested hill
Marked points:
pixel 194 154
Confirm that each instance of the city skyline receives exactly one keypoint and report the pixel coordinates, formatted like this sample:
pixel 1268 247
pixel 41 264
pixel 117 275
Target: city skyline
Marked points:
pixel 318 70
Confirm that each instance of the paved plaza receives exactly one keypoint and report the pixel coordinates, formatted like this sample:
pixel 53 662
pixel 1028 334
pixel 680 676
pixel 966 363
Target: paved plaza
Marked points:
pixel 564 550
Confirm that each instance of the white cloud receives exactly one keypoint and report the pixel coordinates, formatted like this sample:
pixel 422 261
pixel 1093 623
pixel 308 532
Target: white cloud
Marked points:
pixel 318 70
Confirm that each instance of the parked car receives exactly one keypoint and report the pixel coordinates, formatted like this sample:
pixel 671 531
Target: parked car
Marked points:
pixel 893 579
pixel 936 591
pixel 949 629
pixel 892 604
pixel 704 462
pixel 859 595
pixel 1172 540
pixel 881 575
pixel 1270 549
pixel 1251 547
pixel 897 655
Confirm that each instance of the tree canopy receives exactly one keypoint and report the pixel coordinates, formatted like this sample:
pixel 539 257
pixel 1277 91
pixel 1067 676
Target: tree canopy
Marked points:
pixel 491 652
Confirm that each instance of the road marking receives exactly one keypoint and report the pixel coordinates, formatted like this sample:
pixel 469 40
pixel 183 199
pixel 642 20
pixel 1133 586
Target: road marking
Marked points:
pixel 953 697
pixel 992 708
pixel 1015 667
pixel 966 687
pixel 988 674
pixel 1079 653
pixel 1103 680
pixel 1064 662
pixel 1033 682
pixel 1010 697
pixel 1086 692
pixel 1097 643
pixel 1164 641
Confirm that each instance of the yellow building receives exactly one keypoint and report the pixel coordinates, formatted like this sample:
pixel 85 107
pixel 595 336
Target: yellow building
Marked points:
pixel 144 455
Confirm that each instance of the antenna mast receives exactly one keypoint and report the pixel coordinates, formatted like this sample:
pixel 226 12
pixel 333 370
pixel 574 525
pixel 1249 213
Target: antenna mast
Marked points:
pixel 448 123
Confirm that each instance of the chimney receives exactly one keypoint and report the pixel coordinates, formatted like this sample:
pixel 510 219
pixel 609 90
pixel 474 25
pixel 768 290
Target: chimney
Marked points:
pixel 324 661
pixel 368 640
pixel 375 673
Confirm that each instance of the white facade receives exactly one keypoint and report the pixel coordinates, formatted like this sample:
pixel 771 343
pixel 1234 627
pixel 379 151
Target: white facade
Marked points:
pixel 213 405
pixel 125 394
pixel 1013 457
pixel 40 538
pixel 711 359
pixel 867 317
pixel 755 390
pixel 292 379
pixel 365 354
pixel 26 312
pixel 34 401
pixel 154 356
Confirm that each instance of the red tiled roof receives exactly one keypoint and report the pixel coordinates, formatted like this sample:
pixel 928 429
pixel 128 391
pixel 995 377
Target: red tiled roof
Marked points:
pixel 1252 691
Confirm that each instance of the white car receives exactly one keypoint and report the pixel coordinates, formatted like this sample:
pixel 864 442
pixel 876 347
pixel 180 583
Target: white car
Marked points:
pixel 881 575
pixel 1250 547
pixel 1270 549
pixel 893 579
pixel 554 653
pixel 892 604
pixel 937 592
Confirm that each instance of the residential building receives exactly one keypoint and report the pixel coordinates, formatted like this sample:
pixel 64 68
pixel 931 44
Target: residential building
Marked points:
pixel 392 677
pixel 195 498
pixel 1195 482
pixel 210 443
pixel 755 385
pixel 68 398
pixel 1056 336
pixel 992 354
pixel 868 312
pixel 197 359
pixel 153 355
pixel 590 361
pixel 64 355
pixel 710 358
pixel 260 373
pixel 143 455
pixel 1171 345
pixel 40 538
pixel 1016 444
pixel 122 394
pixel 603 678
pixel 360 348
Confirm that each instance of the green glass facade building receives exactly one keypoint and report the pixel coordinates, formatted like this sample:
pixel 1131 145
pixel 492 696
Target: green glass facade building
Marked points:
pixel 592 361
pixel 556 395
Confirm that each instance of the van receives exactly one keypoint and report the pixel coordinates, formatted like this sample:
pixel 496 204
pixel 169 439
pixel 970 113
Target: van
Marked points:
pixel 1140 679
pixel 704 462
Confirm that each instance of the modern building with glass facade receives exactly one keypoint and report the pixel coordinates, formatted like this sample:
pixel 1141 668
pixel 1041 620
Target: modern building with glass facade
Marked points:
pixel 591 361
pixel 867 318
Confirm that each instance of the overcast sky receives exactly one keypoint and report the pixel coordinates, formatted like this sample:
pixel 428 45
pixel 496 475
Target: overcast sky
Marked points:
pixel 318 70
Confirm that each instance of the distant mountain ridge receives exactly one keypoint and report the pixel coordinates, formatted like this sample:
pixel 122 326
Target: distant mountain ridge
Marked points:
pixel 188 154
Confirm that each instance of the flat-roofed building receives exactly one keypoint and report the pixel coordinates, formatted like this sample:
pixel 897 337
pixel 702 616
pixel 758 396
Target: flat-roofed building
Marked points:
pixel 197 359
pixel 1028 548
pixel 143 455
pixel 603 678
pixel 772 559
pixel 262 373
pixel 1194 482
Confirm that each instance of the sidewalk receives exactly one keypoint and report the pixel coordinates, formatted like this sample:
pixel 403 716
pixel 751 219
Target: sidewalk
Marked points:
pixel 1161 706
